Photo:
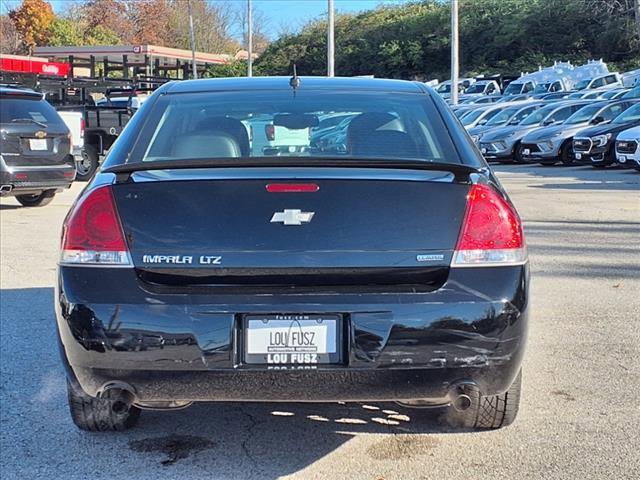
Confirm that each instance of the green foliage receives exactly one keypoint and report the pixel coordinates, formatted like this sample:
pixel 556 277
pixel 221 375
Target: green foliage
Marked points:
pixel 237 68
pixel 100 35
pixel 64 32
pixel 507 36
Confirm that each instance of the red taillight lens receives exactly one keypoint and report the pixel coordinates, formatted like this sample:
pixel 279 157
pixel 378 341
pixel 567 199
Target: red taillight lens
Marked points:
pixel 82 125
pixel 92 233
pixel 270 132
pixel 491 232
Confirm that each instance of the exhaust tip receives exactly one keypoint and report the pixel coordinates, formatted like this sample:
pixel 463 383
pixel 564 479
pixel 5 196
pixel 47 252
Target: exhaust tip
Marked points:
pixel 462 402
pixel 6 188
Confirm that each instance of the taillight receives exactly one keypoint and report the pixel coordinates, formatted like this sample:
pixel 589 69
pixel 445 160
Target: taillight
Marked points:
pixel 82 125
pixel 491 232
pixel 270 132
pixel 92 233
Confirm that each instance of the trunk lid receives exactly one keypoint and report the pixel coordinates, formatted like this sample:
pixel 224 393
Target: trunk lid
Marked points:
pixel 361 225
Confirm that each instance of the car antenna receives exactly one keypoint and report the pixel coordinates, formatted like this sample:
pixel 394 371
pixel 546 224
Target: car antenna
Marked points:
pixel 295 80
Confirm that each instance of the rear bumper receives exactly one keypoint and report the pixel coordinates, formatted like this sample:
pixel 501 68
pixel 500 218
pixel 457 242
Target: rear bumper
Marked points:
pixel 31 180
pixel 396 346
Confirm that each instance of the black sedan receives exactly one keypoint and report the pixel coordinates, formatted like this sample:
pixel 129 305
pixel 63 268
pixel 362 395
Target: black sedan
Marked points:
pixel 194 268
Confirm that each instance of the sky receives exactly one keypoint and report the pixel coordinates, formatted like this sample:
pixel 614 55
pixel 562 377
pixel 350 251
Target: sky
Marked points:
pixel 279 12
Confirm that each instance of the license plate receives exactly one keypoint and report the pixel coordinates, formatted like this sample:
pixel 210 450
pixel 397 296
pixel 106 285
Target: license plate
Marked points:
pixel 578 156
pixel 622 159
pixel 292 340
pixel 37 143
pixel 526 151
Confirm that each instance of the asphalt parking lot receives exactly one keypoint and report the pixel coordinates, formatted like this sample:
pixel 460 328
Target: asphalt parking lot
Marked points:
pixel 579 418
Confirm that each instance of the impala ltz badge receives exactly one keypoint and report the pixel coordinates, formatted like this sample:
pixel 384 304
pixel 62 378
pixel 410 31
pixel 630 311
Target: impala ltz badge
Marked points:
pixel 292 217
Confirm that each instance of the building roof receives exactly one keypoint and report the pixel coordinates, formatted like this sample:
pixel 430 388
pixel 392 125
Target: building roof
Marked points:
pixel 135 53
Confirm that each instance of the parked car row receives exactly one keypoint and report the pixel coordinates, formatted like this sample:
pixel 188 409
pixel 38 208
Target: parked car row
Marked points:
pixel 550 131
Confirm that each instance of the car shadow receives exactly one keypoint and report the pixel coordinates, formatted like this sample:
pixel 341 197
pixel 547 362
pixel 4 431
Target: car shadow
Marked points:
pixel 574 177
pixel 235 440
pixel 8 206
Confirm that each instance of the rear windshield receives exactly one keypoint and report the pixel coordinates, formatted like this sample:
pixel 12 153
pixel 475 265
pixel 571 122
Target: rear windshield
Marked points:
pixel 13 110
pixel 307 123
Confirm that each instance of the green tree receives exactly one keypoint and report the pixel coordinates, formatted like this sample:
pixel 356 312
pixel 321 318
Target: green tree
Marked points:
pixel 64 32
pixel 496 36
pixel 237 68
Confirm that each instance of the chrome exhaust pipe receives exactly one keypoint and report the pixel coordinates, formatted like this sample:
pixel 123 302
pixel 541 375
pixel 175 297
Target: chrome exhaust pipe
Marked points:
pixel 121 396
pixel 6 188
pixel 462 402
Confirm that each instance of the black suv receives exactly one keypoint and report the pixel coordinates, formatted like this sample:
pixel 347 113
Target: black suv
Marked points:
pixel 35 144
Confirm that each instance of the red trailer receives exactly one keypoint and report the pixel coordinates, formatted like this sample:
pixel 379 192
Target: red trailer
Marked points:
pixel 22 64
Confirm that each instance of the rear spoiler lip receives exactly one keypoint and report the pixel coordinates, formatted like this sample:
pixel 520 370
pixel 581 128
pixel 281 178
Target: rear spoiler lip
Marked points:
pixel 460 171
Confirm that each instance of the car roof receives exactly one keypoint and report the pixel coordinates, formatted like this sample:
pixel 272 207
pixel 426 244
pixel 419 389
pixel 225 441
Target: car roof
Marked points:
pixel 282 83
pixel 6 91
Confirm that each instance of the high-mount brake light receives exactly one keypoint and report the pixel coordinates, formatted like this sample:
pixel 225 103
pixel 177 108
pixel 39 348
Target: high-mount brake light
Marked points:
pixel 292 187
pixel 92 233
pixel 491 232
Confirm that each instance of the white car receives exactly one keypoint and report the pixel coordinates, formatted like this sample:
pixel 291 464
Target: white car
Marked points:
pixel 628 148
pixel 603 82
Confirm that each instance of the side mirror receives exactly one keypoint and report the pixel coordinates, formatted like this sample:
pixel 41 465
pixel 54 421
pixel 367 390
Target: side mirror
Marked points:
pixel 597 120
pixel 549 121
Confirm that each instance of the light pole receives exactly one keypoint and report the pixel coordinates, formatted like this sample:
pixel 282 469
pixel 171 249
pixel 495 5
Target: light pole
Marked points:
pixel 330 41
pixel 249 40
pixel 454 52
pixel 193 42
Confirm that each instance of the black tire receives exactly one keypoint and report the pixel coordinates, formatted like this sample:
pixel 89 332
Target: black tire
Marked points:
pixel 36 200
pixel 490 412
pixel 89 163
pixel 566 153
pixel 111 413
pixel 517 153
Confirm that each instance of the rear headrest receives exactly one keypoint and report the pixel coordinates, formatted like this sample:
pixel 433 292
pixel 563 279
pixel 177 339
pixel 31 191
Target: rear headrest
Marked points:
pixel 233 127
pixel 386 143
pixel 213 144
pixel 378 134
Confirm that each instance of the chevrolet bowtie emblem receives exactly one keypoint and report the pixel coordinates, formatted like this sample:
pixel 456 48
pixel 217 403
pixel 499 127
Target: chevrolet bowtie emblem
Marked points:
pixel 292 217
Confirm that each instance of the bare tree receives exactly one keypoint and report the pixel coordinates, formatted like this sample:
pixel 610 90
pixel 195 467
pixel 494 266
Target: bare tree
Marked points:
pixel 9 38
pixel 213 23
pixel 260 23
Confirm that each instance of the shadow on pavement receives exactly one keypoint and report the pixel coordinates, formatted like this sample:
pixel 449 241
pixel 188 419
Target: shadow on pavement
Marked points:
pixel 234 440
pixel 575 177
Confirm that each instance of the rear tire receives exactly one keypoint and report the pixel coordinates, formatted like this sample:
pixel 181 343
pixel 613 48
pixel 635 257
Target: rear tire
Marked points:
pixel 36 200
pixel 112 413
pixel 89 163
pixel 487 412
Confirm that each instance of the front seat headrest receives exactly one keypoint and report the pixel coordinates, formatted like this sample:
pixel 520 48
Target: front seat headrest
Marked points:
pixel 207 145
pixel 231 126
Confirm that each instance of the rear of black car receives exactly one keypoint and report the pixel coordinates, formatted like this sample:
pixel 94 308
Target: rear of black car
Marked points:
pixel 193 269
pixel 35 160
